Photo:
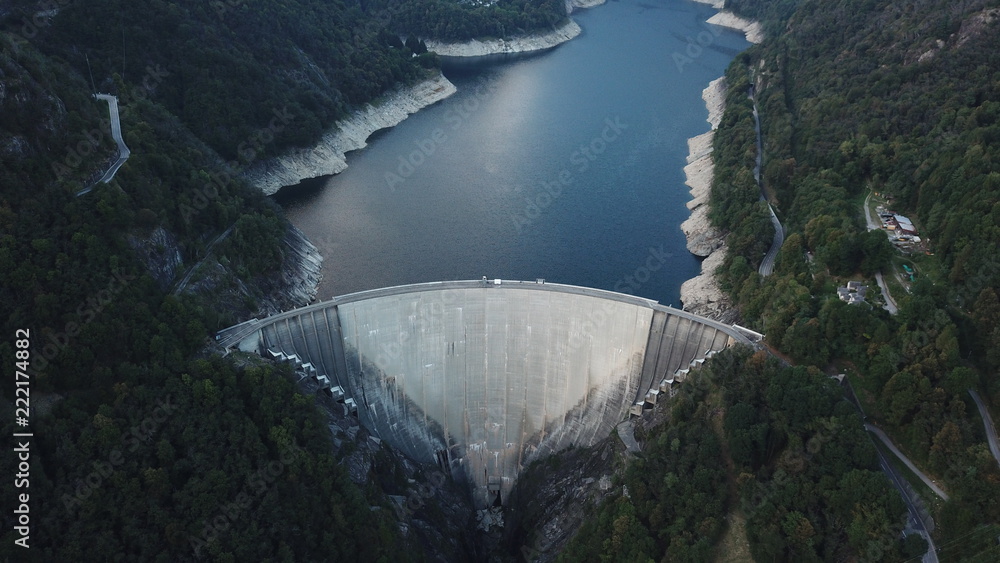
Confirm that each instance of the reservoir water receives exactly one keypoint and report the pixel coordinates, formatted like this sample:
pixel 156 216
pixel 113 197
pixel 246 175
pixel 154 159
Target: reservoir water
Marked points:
pixel 564 165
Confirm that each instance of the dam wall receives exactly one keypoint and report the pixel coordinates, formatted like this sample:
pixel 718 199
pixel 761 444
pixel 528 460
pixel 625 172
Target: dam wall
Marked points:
pixel 484 377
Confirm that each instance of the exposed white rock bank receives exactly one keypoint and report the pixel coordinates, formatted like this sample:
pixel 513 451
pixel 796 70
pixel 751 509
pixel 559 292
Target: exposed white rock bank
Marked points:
pixel 527 43
pixel 328 156
pixel 702 237
pixel 702 294
pixel 574 4
pixel 753 30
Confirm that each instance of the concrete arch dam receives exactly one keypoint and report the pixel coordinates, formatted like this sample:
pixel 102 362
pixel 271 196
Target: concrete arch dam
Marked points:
pixel 483 377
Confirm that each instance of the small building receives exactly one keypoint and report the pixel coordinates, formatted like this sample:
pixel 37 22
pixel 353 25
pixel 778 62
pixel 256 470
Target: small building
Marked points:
pixel 901 224
pixel 853 293
pixel 905 225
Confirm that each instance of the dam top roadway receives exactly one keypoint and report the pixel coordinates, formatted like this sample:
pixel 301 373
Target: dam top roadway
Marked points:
pixel 229 337
pixel 483 377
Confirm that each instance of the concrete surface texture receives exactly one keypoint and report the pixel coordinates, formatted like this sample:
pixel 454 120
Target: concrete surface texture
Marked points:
pixel 482 378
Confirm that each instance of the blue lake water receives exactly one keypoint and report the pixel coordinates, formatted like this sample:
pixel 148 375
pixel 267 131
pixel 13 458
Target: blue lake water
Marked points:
pixel 565 165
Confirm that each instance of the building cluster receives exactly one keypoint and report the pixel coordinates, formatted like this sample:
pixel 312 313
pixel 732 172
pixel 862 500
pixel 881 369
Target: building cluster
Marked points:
pixel 853 293
pixel 901 229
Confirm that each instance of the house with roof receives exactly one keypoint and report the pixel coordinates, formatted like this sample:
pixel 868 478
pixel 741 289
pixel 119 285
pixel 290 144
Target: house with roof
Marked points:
pixel 901 225
pixel 853 293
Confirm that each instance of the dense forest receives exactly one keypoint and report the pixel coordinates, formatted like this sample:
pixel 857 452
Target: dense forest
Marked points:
pixel 781 445
pixel 902 100
pixel 141 448
pixel 225 68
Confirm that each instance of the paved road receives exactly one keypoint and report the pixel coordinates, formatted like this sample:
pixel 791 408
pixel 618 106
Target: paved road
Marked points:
pixel 233 335
pixel 890 303
pixel 872 224
pixel 116 134
pixel 892 447
pixel 991 429
pixel 913 504
pixel 919 516
pixel 766 265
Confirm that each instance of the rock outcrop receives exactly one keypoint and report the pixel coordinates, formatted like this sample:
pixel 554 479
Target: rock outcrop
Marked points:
pixel 572 5
pixel 753 30
pixel 328 156
pixel 292 284
pixel 160 253
pixel 525 44
pixel 303 267
pixel 702 294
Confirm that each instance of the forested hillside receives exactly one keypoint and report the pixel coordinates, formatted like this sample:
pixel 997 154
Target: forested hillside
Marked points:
pixel 148 447
pixel 448 20
pixel 900 99
pixel 780 445
pixel 140 449
pixel 224 68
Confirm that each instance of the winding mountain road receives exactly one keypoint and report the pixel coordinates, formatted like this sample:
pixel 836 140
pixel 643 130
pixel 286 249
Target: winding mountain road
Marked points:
pixel 767 264
pixel 116 134
pixel 991 429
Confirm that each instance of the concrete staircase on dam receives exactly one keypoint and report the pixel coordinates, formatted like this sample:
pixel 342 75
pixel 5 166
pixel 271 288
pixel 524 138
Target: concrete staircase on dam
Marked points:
pixel 484 377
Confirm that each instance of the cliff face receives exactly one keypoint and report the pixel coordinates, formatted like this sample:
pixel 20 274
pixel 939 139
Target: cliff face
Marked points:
pixel 478 48
pixel 328 157
pixel 160 253
pixel 302 270
pixel 292 284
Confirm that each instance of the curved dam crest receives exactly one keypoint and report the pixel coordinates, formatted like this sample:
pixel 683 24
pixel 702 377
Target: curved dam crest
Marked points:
pixel 484 377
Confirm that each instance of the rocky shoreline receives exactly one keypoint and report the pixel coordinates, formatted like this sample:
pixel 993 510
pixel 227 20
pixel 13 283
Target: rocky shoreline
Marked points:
pixel 525 44
pixel 753 30
pixel 328 156
pixel 702 294
pixel 528 43
pixel 574 4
